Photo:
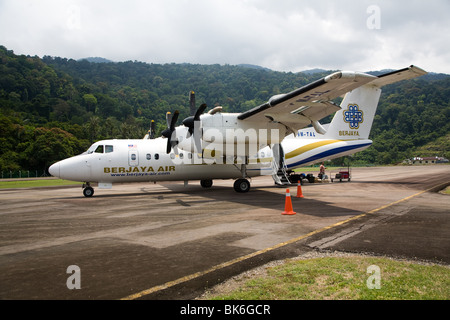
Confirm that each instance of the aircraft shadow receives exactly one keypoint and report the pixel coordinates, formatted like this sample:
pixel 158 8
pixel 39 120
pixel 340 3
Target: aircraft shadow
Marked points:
pixel 267 199
pixel 258 197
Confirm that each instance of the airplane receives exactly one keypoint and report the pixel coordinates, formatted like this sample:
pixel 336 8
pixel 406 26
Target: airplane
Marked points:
pixel 272 139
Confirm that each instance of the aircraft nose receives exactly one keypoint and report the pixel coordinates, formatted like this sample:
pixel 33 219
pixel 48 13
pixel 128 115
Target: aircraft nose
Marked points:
pixel 55 169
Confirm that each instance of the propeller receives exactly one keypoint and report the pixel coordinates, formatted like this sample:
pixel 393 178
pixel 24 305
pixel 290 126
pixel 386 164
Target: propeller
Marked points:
pixel 171 121
pixel 190 121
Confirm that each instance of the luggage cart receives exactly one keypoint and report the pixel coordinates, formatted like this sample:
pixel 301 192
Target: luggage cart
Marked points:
pixel 343 173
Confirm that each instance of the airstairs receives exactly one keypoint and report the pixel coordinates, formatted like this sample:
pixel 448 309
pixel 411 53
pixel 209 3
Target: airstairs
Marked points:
pixel 279 168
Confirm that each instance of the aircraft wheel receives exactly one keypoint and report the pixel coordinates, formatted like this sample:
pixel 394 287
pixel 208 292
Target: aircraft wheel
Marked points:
pixel 88 191
pixel 206 183
pixel 241 185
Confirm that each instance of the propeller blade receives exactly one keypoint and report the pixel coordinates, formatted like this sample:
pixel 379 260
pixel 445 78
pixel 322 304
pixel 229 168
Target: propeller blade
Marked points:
pixel 189 121
pixel 168 118
pixel 199 112
pixel 192 103
pixel 152 130
pixel 174 120
pixel 169 146
pixel 171 122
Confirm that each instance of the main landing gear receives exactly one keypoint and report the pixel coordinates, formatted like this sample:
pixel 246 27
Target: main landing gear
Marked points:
pixel 241 185
pixel 88 191
pixel 206 183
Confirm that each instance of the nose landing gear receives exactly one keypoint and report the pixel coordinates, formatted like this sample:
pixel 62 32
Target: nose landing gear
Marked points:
pixel 88 191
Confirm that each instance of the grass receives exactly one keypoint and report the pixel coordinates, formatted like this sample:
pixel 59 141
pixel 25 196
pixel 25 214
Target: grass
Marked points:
pixel 445 191
pixel 344 278
pixel 35 183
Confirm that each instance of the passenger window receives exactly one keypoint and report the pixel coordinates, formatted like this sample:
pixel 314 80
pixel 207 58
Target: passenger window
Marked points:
pixel 133 156
pixel 109 149
pixel 181 156
pixel 172 156
pixel 99 149
pixel 149 156
pixel 156 156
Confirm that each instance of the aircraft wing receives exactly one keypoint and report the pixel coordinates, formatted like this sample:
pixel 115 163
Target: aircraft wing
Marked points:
pixel 301 107
pixel 312 102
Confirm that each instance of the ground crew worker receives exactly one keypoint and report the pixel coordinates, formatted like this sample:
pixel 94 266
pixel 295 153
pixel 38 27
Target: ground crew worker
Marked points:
pixel 322 171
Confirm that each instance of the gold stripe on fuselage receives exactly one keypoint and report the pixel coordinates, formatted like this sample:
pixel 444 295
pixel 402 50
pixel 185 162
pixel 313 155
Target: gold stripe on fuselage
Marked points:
pixel 309 147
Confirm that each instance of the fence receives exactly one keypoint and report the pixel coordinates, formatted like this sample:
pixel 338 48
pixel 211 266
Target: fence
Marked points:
pixel 8 174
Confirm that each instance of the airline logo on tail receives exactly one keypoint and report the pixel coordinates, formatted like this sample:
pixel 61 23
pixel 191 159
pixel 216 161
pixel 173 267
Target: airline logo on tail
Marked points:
pixel 353 116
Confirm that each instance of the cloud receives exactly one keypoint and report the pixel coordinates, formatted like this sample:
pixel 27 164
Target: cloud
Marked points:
pixel 285 35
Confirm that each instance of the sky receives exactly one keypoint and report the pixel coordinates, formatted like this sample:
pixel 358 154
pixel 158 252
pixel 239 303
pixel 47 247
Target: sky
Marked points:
pixel 282 35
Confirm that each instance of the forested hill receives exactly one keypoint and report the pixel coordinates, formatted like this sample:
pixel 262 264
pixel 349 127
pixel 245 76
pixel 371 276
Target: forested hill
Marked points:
pixel 52 108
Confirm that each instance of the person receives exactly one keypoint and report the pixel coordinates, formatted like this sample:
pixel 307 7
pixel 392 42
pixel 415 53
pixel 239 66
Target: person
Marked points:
pixel 322 171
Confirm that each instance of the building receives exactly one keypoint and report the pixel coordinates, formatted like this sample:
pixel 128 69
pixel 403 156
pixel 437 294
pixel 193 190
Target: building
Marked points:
pixel 426 160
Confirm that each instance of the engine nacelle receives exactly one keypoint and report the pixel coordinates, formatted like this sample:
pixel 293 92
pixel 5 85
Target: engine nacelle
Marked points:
pixel 223 134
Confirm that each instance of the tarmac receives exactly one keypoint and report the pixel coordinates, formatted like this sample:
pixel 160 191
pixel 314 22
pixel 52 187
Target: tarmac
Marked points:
pixel 170 241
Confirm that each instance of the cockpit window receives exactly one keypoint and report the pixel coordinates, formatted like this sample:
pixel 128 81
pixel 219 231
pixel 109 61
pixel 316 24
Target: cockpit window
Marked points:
pixel 99 149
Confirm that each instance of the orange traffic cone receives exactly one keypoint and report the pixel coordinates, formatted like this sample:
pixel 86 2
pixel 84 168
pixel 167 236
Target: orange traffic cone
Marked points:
pixel 299 190
pixel 288 204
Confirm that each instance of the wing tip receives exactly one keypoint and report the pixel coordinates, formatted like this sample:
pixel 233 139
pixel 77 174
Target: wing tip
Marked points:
pixel 398 75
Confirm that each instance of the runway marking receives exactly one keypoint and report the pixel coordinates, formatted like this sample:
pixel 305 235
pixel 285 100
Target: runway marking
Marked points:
pixel 256 253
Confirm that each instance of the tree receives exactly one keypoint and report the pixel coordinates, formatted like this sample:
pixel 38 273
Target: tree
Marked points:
pixel 90 102
pixel 93 128
pixel 49 146
pixel 93 101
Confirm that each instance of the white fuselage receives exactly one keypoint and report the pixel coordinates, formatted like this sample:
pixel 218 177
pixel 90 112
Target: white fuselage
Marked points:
pixel 112 161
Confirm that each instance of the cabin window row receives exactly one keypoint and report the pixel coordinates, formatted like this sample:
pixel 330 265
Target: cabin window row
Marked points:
pixel 172 156
pixel 149 156
pixel 181 155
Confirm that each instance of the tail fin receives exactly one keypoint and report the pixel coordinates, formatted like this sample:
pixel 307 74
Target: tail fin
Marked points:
pixel 354 120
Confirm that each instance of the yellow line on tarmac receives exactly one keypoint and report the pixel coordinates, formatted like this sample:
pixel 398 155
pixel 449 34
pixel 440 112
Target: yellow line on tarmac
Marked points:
pixel 398 201
pixel 256 253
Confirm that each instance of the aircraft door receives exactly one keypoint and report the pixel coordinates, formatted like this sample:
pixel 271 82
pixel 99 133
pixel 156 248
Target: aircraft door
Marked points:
pixel 133 158
pixel 278 154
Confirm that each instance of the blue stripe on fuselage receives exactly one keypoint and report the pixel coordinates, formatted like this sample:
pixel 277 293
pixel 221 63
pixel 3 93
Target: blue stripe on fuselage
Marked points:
pixel 327 153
